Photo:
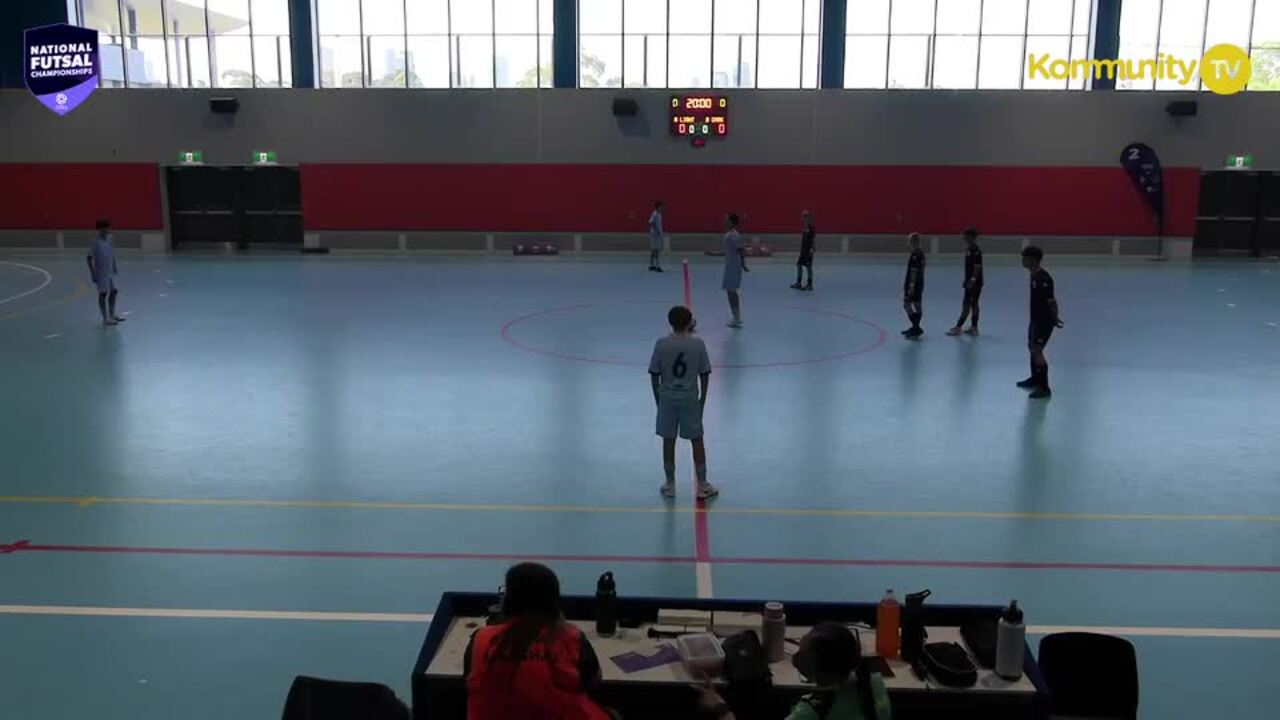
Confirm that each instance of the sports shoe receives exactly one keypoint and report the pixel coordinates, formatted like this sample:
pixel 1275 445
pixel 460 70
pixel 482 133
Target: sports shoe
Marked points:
pixel 735 323
pixel 808 288
pixel 907 331
pixel 1027 384
pixel 707 490
pixel 658 269
pixel 797 286
pixel 954 331
pixel 973 331
pixel 668 490
pixel 914 333
pixel 1041 392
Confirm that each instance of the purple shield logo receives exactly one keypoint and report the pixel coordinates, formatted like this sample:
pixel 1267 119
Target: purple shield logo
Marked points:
pixel 62 67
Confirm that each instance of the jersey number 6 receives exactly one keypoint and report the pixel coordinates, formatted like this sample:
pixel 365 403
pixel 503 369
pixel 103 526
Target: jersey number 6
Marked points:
pixel 679 368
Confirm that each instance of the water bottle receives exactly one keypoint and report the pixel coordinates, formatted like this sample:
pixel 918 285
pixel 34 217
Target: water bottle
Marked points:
pixel 888 621
pixel 606 606
pixel 1011 643
pixel 773 631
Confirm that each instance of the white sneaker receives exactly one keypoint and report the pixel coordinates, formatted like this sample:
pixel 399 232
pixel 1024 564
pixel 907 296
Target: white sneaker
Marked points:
pixel 668 490
pixel 972 331
pixel 954 331
pixel 707 490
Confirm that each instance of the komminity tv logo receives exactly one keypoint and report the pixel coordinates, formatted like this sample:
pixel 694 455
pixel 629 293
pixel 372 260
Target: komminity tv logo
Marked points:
pixel 1225 69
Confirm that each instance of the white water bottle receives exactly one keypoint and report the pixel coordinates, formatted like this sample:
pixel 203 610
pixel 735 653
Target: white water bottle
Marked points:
pixel 1011 643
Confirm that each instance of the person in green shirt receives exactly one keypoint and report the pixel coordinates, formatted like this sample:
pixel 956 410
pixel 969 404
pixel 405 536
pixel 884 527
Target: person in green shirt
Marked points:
pixel 830 656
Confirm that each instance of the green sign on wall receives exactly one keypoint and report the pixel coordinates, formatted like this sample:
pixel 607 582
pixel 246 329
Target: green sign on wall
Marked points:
pixel 264 157
pixel 1239 162
pixel 190 157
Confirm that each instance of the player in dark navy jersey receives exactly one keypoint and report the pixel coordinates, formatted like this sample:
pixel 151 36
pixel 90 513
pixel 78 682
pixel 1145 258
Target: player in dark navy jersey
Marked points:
pixel 913 288
pixel 972 284
pixel 1044 320
pixel 805 261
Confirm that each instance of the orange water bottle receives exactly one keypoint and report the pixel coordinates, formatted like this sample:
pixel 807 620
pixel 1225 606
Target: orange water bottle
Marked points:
pixel 888 624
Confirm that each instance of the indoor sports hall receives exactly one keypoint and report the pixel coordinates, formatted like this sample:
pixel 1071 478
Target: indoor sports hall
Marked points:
pixel 314 311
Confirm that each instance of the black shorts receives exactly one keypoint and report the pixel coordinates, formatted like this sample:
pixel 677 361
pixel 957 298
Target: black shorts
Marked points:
pixel 1038 335
pixel 972 294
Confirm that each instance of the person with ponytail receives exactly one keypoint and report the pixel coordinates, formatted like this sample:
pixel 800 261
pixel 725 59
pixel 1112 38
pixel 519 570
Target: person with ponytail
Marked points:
pixel 533 665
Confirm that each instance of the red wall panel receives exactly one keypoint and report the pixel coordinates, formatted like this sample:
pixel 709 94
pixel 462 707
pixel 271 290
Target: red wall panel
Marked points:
pixel 847 199
pixel 74 196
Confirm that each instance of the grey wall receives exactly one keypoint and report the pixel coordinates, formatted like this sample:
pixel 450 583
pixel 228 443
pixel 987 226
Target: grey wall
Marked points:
pixel 801 127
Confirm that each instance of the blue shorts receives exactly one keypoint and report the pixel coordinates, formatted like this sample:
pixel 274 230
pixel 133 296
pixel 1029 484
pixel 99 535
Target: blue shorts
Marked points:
pixel 681 418
pixel 732 278
pixel 106 284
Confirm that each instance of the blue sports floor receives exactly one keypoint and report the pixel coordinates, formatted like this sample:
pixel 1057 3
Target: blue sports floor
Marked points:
pixel 321 446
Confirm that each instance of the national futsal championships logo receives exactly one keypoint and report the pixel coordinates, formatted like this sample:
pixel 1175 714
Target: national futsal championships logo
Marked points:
pixel 1225 69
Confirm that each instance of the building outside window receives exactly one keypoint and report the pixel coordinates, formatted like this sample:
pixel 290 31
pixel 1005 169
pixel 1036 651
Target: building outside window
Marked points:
pixel 1184 29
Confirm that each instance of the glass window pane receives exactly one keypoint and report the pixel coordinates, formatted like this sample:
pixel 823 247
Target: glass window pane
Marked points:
pixel 600 61
pixel 1000 63
pixel 232 61
pixel 427 17
pixel 1004 17
pixel 188 61
pixel 340 62
pixel 866 60
pixel 694 16
pixel 516 61
pixel 1182 26
pixel 689 64
pixel 962 17
pixel 908 61
pixel 1057 48
pixel 515 16
pixel 147 66
pixel 1084 18
pixel 111 56
pixel 473 61
pixel 286 58
pixel 270 17
pixel 383 17
pixel 646 60
pixel 267 61
pixel 471 17
pixel 1228 22
pixel 813 17
pixel 911 16
pixel 1266 47
pixel 599 16
pixel 646 17
pixel 184 17
pixel 781 17
pixel 428 61
pixel 1139 22
pixel 547 64
pixel 735 59
pixel 101 15
pixel 735 17
pixel 780 61
pixel 337 16
pixel 385 61
pixel 1049 17
pixel 1133 54
pixel 1080 51
pixel 869 17
pixel 1266 24
pixel 809 60
pixel 546 17
pixel 955 63
pixel 142 17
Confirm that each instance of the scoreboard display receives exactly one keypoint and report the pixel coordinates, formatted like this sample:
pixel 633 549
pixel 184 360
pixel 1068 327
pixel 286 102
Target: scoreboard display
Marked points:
pixel 699 116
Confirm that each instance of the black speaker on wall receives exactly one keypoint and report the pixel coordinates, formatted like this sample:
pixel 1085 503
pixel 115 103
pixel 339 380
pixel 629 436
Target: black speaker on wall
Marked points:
pixel 1183 108
pixel 625 107
pixel 224 105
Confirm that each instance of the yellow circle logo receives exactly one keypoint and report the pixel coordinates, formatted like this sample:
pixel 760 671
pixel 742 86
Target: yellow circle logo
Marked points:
pixel 1225 69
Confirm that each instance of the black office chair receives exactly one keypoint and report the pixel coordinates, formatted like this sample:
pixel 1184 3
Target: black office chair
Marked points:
pixel 315 699
pixel 1090 675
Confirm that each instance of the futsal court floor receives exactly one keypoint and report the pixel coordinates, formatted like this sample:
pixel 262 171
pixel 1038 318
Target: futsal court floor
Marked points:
pixel 277 464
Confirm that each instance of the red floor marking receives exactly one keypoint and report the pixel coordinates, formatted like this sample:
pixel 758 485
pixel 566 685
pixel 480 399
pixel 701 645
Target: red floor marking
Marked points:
pixel 25 546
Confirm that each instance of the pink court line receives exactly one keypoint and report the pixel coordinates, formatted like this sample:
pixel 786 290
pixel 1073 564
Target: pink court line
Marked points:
pixel 26 546
pixel 701 533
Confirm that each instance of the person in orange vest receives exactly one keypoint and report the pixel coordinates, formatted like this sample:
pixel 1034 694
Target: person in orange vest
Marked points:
pixel 534 665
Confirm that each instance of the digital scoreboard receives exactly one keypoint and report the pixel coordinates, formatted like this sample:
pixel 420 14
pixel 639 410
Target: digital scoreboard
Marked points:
pixel 699 117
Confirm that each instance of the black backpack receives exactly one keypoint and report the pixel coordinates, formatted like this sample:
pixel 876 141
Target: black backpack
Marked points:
pixel 745 666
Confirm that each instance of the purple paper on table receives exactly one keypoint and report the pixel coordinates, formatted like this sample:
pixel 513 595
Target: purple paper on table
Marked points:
pixel 632 662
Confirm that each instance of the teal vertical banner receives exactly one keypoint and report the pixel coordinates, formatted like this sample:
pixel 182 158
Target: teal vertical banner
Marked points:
pixel 834 15
pixel 1106 39
pixel 564 44
pixel 302 40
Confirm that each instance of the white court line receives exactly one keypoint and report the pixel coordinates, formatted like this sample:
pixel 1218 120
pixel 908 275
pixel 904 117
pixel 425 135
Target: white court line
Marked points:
pixel 705 590
pixel 52 336
pixel 47 279
pixel 208 614
pixel 82 611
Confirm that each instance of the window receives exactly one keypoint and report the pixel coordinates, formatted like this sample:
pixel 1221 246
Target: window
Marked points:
pixel 963 44
pixel 1184 29
pixel 191 43
pixel 699 43
pixel 434 43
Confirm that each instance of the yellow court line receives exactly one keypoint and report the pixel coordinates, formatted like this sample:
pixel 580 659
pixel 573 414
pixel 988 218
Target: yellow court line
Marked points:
pixel 80 288
pixel 87 501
